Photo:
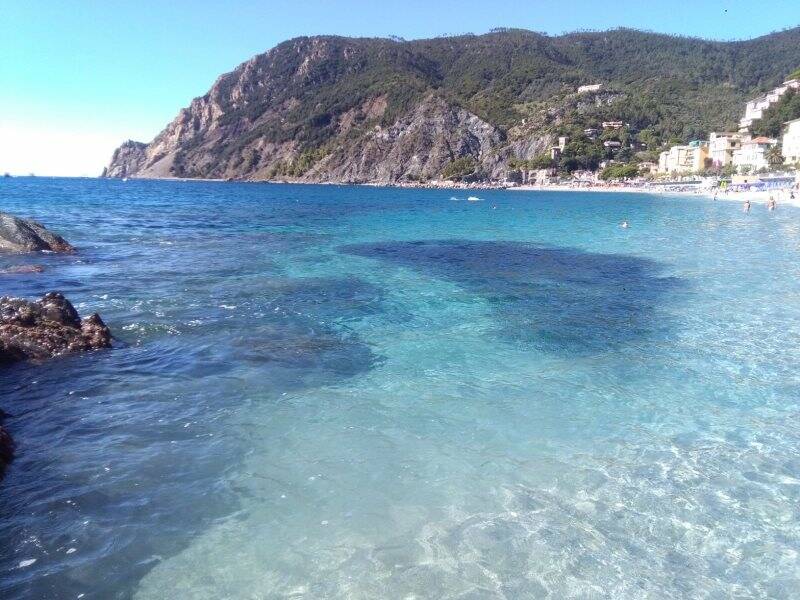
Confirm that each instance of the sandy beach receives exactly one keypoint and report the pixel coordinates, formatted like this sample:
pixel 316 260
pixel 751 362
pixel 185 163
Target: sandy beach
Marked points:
pixel 781 196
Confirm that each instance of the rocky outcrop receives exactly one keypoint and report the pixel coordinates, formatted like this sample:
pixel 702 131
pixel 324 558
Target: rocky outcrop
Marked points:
pixel 27 235
pixel 127 160
pixel 417 147
pixel 22 269
pixel 47 328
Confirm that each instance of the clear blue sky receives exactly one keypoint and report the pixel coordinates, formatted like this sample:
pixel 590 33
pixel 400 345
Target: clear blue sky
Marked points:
pixel 88 74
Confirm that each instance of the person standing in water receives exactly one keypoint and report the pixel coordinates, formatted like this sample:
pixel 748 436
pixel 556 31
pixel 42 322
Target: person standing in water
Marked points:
pixel 771 205
pixel 747 206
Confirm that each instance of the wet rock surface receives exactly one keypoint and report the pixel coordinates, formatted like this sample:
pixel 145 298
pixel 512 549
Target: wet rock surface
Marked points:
pixel 47 328
pixel 22 270
pixel 27 235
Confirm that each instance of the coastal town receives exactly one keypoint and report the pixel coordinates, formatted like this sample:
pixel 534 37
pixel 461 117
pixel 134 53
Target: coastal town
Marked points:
pixel 735 163
pixel 742 165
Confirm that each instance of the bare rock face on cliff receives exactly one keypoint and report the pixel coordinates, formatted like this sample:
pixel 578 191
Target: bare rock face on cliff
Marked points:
pixel 27 235
pixel 127 160
pixel 414 148
pixel 47 328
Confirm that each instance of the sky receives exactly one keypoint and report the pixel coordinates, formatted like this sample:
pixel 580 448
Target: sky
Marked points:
pixel 79 77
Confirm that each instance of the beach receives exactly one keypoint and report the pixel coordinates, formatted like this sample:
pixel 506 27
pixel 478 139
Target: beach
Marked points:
pixel 760 197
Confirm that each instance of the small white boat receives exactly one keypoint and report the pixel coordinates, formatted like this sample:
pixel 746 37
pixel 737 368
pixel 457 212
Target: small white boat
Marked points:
pixel 473 199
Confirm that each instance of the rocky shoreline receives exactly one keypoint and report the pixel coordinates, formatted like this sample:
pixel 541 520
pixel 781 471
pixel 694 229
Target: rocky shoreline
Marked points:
pixel 26 235
pixel 47 328
pixel 41 329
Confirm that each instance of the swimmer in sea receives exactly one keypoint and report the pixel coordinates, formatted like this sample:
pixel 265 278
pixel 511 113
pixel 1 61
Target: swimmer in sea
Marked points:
pixel 624 225
pixel 771 204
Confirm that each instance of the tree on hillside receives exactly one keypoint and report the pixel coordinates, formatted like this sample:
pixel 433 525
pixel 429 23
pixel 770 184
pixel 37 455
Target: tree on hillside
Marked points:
pixel 459 168
pixel 774 156
pixel 785 109
pixel 619 171
pixel 541 161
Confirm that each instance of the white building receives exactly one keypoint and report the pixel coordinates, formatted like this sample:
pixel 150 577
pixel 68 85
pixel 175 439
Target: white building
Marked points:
pixel 755 108
pixel 721 147
pixel 791 142
pixel 752 155
pixel 684 159
pixel 595 87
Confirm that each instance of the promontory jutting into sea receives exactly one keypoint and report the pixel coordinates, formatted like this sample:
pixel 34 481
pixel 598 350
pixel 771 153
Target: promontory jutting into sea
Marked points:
pixel 451 372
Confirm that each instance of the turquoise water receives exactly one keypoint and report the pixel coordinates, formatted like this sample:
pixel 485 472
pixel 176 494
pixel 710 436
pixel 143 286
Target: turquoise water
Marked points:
pixel 340 392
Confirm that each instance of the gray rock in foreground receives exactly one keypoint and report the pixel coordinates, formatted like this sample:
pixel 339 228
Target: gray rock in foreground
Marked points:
pixel 27 235
pixel 47 328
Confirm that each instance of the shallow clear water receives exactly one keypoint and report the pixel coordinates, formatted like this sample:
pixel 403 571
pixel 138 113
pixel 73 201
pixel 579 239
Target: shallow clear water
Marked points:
pixel 336 392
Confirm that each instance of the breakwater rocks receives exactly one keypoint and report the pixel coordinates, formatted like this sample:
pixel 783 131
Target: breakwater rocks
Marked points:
pixel 26 235
pixel 47 328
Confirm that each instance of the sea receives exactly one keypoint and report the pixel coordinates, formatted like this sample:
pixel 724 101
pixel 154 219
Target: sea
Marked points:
pixel 359 392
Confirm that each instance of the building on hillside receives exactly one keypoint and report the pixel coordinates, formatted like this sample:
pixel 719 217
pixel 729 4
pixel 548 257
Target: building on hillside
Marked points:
pixel 721 147
pixel 595 87
pixel 542 177
pixel 752 155
pixel 557 151
pixel 612 144
pixel 613 124
pixel 754 109
pixel 591 132
pixel 647 167
pixel 690 158
pixel 790 148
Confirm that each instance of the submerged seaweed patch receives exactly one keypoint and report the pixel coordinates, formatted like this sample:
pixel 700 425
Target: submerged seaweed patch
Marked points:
pixel 302 328
pixel 557 299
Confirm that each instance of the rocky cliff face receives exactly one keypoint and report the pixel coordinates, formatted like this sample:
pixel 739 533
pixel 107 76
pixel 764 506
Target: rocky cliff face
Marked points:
pixel 345 109
pixel 416 147
pixel 127 160
pixel 222 135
